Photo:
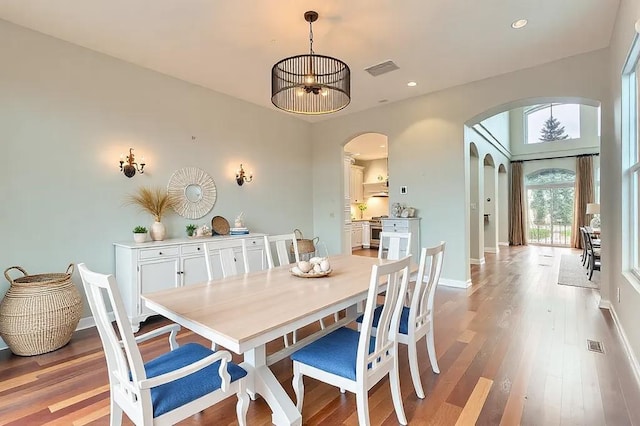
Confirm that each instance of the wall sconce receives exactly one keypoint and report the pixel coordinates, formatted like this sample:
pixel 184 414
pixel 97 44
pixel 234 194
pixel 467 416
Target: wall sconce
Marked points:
pixel 242 177
pixel 129 169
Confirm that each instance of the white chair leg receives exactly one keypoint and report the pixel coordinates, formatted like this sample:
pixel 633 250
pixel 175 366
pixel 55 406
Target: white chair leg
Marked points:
pixel 298 386
pixel 394 382
pixel 415 369
pixel 362 404
pixel 431 349
pixel 116 413
pixel 242 406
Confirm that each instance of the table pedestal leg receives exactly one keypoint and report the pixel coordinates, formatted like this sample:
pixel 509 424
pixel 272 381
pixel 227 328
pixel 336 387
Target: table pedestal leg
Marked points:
pixel 264 383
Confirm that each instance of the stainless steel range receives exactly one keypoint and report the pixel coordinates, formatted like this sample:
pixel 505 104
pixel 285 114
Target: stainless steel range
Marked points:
pixel 375 226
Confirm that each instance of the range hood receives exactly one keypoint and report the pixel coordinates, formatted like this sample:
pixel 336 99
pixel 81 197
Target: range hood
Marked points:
pixel 376 189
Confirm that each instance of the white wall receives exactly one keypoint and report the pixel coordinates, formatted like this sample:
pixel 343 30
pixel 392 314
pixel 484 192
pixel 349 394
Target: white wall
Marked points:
pixel 427 150
pixel 627 311
pixel 66 114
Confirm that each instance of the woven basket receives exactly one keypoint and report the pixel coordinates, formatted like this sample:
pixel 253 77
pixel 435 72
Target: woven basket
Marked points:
pixel 304 246
pixel 39 313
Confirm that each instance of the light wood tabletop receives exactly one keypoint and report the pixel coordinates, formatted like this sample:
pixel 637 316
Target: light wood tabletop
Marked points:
pixel 244 312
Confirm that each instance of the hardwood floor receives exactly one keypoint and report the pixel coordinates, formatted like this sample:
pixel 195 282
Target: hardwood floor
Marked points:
pixel 512 350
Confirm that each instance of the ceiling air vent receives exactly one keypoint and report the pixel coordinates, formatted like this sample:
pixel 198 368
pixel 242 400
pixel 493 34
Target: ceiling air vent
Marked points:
pixel 382 68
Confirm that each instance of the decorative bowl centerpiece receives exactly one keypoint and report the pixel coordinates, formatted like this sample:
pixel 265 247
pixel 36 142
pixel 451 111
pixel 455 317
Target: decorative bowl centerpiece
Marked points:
pixel 315 267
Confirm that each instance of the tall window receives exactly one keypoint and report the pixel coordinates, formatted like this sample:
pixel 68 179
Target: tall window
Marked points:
pixel 631 158
pixel 550 194
pixel 552 122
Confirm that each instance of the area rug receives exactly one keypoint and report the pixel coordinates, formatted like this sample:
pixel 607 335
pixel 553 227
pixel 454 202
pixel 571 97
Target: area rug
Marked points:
pixel 574 274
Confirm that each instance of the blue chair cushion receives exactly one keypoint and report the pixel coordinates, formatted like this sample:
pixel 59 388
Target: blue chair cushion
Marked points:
pixel 174 394
pixel 404 319
pixel 334 353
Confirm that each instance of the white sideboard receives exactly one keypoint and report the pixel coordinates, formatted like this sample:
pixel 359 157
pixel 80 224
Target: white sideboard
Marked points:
pixel 412 225
pixel 160 265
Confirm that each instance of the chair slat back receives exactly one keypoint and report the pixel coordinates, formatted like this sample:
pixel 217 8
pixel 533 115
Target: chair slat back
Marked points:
pixel 421 311
pixel 228 257
pixel 122 354
pixel 398 245
pixel 390 281
pixel 282 244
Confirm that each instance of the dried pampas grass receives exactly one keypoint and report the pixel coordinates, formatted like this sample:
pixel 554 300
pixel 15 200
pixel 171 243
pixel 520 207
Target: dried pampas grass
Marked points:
pixel 154 201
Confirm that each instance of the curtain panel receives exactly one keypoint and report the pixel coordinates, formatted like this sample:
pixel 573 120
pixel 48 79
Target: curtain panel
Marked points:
pixel 517 216
pixel 583 194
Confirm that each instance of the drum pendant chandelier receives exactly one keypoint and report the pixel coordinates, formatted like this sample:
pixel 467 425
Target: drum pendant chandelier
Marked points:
pixel 311 84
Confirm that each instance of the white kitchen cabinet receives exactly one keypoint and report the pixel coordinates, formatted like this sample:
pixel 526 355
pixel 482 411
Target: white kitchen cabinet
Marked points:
pixel 356 188
pixel 356 235
pixel 411 225
pixel 366 234
pixel 160 265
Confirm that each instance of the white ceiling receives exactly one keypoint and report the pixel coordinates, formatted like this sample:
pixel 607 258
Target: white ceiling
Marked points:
pixel 230 46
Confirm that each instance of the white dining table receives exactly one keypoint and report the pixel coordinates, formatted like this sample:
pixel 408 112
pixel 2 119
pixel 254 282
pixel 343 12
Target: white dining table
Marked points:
pixel 245 312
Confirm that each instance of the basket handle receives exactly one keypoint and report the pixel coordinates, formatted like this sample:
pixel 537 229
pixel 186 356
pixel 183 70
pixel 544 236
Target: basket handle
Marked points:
pixel 315 240
pixel 70 269
pixel 298 234
pixel 6 274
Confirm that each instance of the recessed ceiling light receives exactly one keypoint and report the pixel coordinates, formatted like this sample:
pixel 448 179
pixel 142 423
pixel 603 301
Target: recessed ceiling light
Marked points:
pixel 520 23
pixel 412 84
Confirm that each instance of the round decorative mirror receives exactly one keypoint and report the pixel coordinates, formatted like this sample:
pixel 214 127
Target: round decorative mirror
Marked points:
pixel 192 192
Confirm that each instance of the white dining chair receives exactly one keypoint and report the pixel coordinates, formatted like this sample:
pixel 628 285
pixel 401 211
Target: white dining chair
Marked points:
pixel 394 245
pixel 356 361
pixel 416 320
pixel 167 389
pixel 286 247
pixel 228 256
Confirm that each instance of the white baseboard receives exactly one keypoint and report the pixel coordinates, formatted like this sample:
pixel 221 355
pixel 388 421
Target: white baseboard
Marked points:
pixel 502 243
pixel 635 365
pixel 491 249
pixel 454 283
pixel 476 261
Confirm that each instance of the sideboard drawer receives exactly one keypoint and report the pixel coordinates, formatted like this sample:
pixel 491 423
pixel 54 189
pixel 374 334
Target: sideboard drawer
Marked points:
pixel 158 252
pixel 189 249
pixel 395 226
pixel 255 242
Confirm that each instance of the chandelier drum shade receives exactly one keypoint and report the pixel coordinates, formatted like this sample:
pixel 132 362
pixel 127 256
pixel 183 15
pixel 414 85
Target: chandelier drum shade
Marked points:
pixel 310 83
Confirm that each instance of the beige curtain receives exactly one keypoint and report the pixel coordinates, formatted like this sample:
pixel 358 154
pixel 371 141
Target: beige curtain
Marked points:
pixel 517 225
pixel 583 195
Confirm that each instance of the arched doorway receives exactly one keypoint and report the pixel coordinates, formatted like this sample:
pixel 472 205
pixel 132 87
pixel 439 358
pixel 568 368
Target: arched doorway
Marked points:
pixel 366 183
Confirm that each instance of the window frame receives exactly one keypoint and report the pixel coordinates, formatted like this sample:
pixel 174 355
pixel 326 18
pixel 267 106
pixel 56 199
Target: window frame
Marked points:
pixel 535 108
pixel 631 164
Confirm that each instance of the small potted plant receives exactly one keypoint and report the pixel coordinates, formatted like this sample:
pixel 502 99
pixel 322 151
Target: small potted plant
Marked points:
pixel 362 207
pixel 191 228
pixel 140 234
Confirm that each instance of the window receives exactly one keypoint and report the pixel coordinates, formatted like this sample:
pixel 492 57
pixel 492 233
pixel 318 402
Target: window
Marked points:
pixel 631 160
pixel 550 195
pixel 552 122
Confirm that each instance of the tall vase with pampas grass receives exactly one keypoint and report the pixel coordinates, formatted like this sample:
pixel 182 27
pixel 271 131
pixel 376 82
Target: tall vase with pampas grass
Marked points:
pixel 154 201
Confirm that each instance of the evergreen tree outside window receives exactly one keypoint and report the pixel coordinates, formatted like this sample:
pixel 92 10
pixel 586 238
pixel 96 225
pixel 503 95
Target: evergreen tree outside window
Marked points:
pixel 552 122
